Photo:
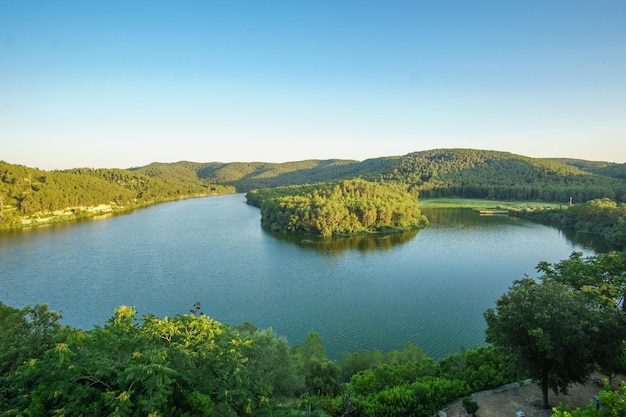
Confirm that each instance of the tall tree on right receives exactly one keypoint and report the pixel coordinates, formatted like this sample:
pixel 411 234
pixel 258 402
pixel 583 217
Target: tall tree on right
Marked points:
pixel 554 333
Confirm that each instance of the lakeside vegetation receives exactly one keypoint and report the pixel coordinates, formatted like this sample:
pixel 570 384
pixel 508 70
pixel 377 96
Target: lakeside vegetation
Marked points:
pixel 192 365
pixel 344 207
pixel 30 196
pixel 602 217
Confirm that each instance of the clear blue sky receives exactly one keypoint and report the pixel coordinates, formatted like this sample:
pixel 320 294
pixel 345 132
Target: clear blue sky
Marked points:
pixel 125 83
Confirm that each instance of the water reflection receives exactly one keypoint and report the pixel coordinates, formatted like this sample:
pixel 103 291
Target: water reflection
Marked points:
pixel 466 217
pixel 333 246
pixel 587 240
pixel 445 216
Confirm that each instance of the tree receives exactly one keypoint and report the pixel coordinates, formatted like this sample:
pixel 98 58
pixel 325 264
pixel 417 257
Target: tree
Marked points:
pixel 185 366
pixel 321 375
pixel 470 406
pixel 550 331
pixel 270 361
pixel 25 335
pixel 602 277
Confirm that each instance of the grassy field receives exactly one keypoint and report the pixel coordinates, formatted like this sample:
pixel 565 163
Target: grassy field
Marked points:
pixel 478 204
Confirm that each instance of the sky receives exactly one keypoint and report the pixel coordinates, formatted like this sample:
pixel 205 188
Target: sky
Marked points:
pixel 118 84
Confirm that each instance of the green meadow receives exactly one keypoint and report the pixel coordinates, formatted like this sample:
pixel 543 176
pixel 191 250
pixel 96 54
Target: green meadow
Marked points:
pixel 480 204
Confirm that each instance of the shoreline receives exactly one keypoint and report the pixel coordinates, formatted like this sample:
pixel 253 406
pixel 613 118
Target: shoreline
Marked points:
pixel 82 213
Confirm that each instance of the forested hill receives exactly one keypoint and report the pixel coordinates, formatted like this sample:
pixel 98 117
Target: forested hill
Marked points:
pixel 246 176
pixel 467 173
pixel 435 173
pixel 503 176
pixel 31 196
pixel 608 169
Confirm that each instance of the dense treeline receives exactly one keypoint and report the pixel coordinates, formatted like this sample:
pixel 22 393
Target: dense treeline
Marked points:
pixel 465 173
pixel 472 173
pixel 603 217
pixel 192 365
pixel 350 206
pixel 608 169
pixel 257 175
pixel 27 193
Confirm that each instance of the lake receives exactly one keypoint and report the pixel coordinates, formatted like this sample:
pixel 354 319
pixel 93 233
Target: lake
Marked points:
pixel 429 287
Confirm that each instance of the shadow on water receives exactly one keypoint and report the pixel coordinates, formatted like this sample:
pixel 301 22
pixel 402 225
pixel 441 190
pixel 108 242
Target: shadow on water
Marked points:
pixel 468 218
pixel 455 217
pixel 588 240
pixel 334 245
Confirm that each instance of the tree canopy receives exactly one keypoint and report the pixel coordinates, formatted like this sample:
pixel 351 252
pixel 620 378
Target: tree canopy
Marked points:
pixel 192 365
pixel 349 206
pixel 468 173
pixel 29 194
pixel 556 334
pixel 603 217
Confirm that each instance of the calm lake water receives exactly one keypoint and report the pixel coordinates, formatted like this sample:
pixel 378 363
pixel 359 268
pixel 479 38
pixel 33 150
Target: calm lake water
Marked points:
pixel 429 287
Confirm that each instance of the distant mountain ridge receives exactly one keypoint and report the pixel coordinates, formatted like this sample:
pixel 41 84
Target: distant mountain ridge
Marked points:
pixel 435 173
pixel 469 173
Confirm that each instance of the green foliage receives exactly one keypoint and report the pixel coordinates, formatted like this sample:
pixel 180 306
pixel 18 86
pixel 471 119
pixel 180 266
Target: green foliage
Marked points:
pixel 321 375
pixel 611 403
pixel 350 206
pixel 25 335
pixel 191 365
pixel 482 368
pixel 553 332
pixel 257 175
pixel 473 173
pixel 603 217
pixel 386 376
pixel 271 363
pixel 602 280
pixel 470 406
pixel 602 277
pixel 352 363
pixel 422 398
pixel 31 196
pixel 467 173
pixel 185 365
pixel 608 169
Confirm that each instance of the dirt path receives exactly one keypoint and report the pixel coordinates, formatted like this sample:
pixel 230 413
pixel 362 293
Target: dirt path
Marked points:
pixel 527 399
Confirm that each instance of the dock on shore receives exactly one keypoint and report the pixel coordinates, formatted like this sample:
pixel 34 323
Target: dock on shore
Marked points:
pixel 492 212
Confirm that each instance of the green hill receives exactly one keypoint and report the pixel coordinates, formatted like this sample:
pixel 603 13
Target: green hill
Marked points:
pixel 30 196
pixel 246 176
pixel 609 169
pixel 465 173
pixel 503 176
pixel 36 194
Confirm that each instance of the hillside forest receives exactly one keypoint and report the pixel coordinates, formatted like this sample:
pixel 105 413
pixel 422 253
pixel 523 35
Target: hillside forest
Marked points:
pixel 30 196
